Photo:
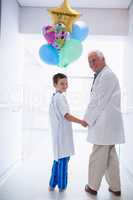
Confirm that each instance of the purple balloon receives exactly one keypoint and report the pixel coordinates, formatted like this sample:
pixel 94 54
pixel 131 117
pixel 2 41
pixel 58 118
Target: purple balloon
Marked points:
pixel 49 34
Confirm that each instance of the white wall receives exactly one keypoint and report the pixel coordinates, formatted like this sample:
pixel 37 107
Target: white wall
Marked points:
pixel 127 149
pixel 100 21
pixel 10 84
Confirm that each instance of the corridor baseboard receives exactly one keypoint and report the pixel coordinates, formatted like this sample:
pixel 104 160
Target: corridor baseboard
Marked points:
pixel 9 171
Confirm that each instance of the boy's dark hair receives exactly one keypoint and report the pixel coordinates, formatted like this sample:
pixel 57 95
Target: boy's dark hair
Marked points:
pixel 57 77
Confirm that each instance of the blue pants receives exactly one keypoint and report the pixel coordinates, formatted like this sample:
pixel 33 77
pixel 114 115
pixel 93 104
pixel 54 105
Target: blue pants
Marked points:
pixel 59 174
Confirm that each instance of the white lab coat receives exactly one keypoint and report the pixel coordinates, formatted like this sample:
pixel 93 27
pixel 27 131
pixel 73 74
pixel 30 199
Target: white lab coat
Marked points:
pixel 61 128
pixel 104 110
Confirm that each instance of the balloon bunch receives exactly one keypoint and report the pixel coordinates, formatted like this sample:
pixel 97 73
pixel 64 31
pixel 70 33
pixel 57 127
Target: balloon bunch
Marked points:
pixel 64 41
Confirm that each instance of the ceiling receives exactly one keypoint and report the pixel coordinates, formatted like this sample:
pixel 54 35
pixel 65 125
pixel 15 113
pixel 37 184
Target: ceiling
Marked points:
pixel 78 3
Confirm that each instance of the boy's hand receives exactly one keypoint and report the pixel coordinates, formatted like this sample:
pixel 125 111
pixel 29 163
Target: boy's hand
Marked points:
pixel 84 124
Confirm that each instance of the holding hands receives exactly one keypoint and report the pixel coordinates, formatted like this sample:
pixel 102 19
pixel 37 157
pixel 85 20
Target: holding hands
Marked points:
pixel 75 119
pixel 84 123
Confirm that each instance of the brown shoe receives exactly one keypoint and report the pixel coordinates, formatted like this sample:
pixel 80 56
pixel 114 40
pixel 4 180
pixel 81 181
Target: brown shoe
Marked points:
pixel 89 190
pixel 116 193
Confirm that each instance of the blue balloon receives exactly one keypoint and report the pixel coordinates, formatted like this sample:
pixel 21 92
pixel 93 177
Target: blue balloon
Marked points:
pixel 79 31
pixel 48 54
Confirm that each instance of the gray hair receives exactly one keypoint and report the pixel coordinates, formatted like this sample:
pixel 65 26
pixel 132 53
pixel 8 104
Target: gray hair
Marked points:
pixel 98 53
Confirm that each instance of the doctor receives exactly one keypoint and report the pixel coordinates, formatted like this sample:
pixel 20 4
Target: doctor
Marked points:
pixel 105 126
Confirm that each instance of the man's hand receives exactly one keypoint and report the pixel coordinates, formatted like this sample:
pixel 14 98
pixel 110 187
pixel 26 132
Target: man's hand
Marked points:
pixel 84 123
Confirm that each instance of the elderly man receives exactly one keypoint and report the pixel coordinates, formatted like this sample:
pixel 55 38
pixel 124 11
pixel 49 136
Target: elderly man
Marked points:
pixel 105 126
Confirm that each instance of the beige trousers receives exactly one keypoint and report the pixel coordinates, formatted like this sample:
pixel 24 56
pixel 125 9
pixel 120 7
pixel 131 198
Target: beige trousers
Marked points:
pixel 104 161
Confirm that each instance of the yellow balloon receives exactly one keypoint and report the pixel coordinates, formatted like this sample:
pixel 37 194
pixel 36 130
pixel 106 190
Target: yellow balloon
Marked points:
pixel 65 15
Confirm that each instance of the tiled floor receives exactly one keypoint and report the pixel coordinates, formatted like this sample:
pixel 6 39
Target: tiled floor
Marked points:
pixel 30 180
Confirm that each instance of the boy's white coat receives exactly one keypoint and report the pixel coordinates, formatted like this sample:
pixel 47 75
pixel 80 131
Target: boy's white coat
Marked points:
pixel 61 128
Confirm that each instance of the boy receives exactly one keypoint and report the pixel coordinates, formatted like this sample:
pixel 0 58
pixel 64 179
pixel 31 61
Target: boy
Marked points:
pixel 62 135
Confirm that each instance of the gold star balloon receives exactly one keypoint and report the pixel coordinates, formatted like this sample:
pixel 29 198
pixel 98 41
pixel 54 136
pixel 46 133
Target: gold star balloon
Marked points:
pixel 65 15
